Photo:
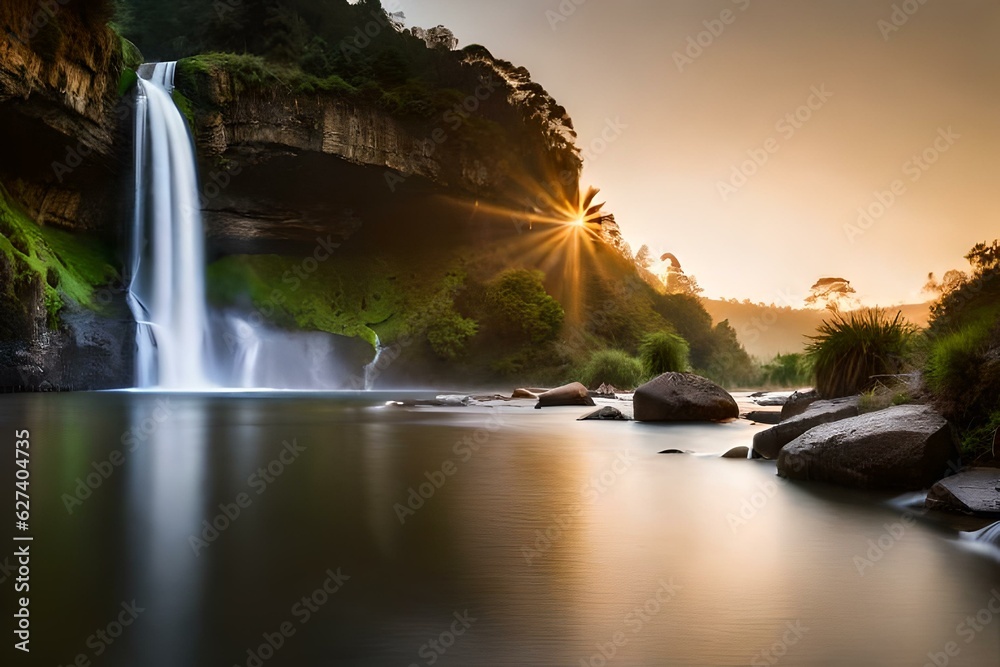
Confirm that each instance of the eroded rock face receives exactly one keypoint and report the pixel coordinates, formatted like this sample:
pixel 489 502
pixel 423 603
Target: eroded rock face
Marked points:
pixel 676 397
pixel 767 444
pixel 902 448
pixel 62 123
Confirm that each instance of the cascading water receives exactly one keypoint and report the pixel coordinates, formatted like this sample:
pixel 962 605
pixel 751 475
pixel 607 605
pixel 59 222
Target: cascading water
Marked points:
pixel 167 289
pixel 180 346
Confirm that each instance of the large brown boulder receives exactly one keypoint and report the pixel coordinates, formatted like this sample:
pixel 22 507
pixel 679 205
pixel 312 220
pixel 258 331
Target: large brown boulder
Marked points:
pixel 570 394
pixel 902 448
pixel 767 444
pixel 675 397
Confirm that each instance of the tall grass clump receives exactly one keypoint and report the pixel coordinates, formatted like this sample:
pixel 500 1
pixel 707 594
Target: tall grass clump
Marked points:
pixel 954 358
pixel 664 352
pixel 613 367
pixel 850 348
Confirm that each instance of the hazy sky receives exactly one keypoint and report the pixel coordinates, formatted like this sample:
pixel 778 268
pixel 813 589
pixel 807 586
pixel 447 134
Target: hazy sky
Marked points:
pixel 882 94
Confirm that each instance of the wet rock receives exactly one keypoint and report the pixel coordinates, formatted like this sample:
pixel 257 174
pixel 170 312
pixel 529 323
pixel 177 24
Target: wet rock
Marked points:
pixel 607 413
pixel 974 491
pixel 737 453
pixel 767 444
pixel 797 403
pixel 570 394
pixel 764 416
pixel 524 393
pixel 676 397
pixel 674 451
pixel 905 448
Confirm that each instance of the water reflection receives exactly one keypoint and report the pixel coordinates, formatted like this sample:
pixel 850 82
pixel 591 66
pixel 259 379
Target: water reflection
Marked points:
pixel 555 535
pixel 165 497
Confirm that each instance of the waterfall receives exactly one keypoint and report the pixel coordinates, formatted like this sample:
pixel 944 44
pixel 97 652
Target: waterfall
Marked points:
pixel 179 345
pixel 167 288
pixel 372 369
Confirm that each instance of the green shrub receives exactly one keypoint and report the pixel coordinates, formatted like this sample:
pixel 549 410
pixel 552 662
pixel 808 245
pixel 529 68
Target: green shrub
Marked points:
pixel 613 367
pixel 955 358
pixel 978 442
pixel 449 334
pixel 851 348
pixel 664 352
pixel 520 307
pixel 787 370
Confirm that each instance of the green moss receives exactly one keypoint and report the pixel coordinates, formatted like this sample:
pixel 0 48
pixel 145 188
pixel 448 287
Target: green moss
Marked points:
pixel 67 265
pixel 253 73
pixel 184 105
pixel 126 81
pixel 352 297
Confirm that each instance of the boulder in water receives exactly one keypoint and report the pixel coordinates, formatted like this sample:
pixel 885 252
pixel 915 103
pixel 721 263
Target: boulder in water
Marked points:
pixel 570 394
pixel 524 393
pixel 767 444
pixel 737 453
pixel 607 413
pixel 675 397
pixel 974 491
pixel 905 448
pixel 764 416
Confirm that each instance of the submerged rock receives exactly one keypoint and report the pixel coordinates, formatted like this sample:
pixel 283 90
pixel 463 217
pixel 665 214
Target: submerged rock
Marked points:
pixel 767 444
pixel 975 491
pixel 764 417
pixel 607 413
pixel 902 448
pixel 737 453
pixel 674 451
pixel 676 397
pixel 570 394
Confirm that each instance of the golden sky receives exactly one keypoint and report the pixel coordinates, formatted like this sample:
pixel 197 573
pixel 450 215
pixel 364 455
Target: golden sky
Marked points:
pixel 745 136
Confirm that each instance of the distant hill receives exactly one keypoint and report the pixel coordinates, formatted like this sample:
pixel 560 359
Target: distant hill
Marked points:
pixel 769 330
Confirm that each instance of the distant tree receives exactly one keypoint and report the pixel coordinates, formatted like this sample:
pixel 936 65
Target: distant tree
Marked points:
pixel 831 294
pixel 643 258
pixel 437 38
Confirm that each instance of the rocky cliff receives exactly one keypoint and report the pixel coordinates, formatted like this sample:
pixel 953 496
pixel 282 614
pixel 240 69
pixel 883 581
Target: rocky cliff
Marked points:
pixel 64 130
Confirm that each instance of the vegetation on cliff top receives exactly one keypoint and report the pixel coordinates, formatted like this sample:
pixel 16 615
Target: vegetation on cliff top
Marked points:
pixel 361 52
pixel 962 347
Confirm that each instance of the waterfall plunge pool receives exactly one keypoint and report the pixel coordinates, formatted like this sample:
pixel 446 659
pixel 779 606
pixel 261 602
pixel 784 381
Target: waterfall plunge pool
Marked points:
pixel 355 534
